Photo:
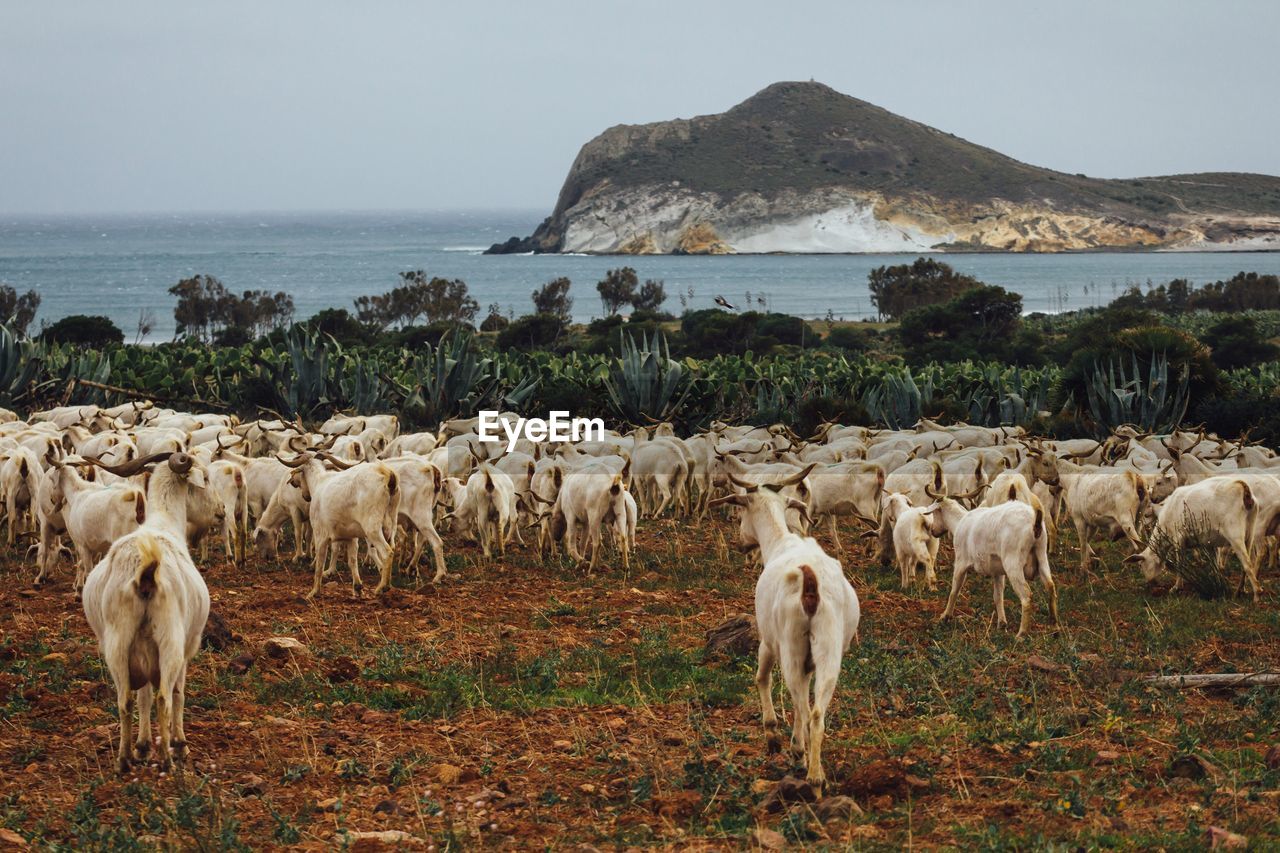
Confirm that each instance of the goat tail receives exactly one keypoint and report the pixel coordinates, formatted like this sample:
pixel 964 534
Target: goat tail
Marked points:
pixel 393 482
pixel 138 498
pixel 144 583
pixel 1248 495
pixel 1038 529
pixel 809 597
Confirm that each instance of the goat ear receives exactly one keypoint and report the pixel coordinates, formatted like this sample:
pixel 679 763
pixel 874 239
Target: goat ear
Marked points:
pixel 1133 558
pixel 736 500
pixel 196 478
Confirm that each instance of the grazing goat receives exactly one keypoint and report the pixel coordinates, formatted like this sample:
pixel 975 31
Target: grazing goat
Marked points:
pixel 1108 499
pixel 1224 507
pixel 914 546
pixel 488 506
pixel 1005 542
pixel 97 515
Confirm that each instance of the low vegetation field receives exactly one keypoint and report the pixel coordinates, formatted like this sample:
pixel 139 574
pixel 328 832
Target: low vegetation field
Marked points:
pixel 523 705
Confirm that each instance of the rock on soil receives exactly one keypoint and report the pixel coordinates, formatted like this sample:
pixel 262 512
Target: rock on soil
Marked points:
pixel 734 637
pixel 282 648
pixel 217 633
pixel 836 808
pixel 788 790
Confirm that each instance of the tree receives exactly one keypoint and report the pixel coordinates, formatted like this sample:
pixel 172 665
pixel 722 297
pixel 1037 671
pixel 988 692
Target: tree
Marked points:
pixel 89 331
pixel 435 299
pixel 257 312
pixel 1242 292
pixel 896 290
pixel 650 296
pixel 617 288
pixel 16 311
pixel 1178 292
pixel 206 308
pixel 553 298
pixel 981 323
pixel 202 301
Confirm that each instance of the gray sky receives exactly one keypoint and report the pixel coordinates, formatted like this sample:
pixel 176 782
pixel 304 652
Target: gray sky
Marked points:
pixel 150 106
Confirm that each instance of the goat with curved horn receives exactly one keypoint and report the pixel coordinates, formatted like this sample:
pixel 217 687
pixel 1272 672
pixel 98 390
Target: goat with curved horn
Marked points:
pixel 137 466
pixel 340 464
pixel 296 462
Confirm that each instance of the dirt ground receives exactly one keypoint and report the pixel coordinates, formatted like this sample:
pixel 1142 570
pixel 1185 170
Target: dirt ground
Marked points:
pixel 524 705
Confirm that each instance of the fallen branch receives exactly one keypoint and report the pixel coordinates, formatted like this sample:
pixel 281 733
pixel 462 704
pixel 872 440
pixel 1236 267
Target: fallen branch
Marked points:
pixel 147 395
pixel 1216 679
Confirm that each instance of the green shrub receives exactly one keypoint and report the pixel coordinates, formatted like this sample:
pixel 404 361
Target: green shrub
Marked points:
pixel 1181 349
pixel 339 325
pixel 414 338
pixel 1236 342
pixel 712 332
pixel 84 330
pixel 1235 414
pixel 532 331
pixel 849 338
pixel 232 336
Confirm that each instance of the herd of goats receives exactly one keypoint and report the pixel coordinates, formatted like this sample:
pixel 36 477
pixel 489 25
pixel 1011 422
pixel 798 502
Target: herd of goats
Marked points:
pixel 127 492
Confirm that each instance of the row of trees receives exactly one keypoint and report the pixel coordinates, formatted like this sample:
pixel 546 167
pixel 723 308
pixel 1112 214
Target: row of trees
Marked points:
pixel 208 311
pixel 434 299
pixel 1244 291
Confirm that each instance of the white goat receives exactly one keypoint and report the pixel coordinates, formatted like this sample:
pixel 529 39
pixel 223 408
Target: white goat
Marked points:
pixel 807 615
pixel 147 606
pixel 1005 542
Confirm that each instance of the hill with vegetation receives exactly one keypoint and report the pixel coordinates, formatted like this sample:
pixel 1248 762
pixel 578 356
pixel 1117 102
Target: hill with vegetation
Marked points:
pixel 802 167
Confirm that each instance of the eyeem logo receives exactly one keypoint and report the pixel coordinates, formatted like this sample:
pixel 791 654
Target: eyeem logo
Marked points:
pixel 559 427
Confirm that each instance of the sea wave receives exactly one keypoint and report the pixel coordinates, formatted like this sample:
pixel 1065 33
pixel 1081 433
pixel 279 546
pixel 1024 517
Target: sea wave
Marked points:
pixel 471 250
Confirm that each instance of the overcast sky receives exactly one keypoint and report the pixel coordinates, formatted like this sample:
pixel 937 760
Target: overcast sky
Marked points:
pixel 150 106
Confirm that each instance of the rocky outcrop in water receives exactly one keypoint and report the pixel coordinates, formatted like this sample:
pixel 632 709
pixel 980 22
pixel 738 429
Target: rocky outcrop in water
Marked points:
pixel 800 167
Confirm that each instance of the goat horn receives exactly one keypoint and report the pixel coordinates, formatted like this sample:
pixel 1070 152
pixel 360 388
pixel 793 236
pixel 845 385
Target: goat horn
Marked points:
pixel 340 464
pixel 796 478
pixel 128 469
pixel 750 487
pixel 296 462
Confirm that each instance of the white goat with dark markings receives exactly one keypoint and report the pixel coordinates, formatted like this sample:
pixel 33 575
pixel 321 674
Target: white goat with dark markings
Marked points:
pixel 807 614
pixel 147 606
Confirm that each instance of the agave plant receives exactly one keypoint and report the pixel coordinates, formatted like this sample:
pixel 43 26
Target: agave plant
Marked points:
pixel 1118 396
pixel 298 377
pixel 645 383
pixel 1003 397
pixel 362 388
pixel 897 401
pixel 19 365
pixel 451 379
pixel 63 365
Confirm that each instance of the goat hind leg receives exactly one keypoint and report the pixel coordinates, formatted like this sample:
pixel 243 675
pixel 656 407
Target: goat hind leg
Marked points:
pixel 145 695
pixel 764 687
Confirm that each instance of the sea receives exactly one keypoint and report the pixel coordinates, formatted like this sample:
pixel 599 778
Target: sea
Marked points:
pixel 122 266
